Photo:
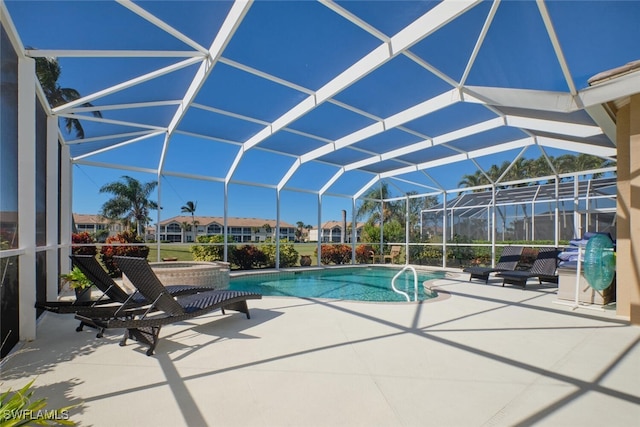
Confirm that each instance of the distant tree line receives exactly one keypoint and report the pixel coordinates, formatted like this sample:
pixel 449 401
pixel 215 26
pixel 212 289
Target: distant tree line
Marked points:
pixel 534 168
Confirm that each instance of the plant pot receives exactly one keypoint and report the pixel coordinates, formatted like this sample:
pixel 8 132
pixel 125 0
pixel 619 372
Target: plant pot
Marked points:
pixel 305 260
pixel 83 295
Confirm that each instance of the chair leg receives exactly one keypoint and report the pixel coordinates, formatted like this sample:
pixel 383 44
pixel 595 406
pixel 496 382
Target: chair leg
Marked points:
pixel 148 335
pixel 240 306
pixel 125 336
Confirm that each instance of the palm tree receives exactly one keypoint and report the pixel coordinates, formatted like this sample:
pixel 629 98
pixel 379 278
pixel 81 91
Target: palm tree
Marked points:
pixel 473 180
pixel 190 207
pixel 300 226
pixel 520 169
pixel 48 71
pixel 131 202
pixel 374 210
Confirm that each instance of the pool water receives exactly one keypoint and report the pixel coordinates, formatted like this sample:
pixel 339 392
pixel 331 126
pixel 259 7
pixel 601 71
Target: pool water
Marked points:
pixel 356 284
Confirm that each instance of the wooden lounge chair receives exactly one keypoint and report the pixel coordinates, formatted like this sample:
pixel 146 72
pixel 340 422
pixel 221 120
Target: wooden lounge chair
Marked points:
pixel 543 268
pixel 165 309
pixel 113 299
pixel 508 262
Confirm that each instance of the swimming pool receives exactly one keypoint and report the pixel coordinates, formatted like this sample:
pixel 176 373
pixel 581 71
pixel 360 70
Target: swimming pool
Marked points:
pixel 355 284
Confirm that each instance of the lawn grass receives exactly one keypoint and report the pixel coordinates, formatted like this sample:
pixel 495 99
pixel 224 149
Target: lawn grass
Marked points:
pixel 168 250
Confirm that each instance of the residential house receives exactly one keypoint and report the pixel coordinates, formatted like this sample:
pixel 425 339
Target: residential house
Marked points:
pixel 180 229
pixel 332 232
pixel 95 225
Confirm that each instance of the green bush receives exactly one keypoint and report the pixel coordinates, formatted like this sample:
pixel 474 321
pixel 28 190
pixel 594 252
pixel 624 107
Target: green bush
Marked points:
pixel 211 253
pixel 461 254
pixel 288 254
pixel 431 255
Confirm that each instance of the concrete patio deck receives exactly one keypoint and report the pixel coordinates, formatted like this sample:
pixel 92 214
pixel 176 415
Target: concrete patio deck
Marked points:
pixel 481 355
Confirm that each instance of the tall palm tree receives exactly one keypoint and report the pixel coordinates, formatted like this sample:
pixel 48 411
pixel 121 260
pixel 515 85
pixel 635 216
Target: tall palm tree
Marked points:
pixel 130 202
pixel 371 208
pixel 48 72
pixel 300 227
pixel 520 169
pixel 190 208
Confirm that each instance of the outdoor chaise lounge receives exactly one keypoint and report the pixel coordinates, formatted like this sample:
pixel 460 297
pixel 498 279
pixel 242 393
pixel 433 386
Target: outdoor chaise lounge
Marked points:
pixel 165 308
pixel 544 268
pixel 508 262
pixel 113 299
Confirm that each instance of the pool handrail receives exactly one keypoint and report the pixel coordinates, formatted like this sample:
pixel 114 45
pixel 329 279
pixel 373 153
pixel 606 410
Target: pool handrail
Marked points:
pixel 415 283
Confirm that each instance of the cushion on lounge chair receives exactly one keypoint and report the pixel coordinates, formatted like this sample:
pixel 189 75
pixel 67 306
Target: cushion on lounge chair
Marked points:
pixel 508 262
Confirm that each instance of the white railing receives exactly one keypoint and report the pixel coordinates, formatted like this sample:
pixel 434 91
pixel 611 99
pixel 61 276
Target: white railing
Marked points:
pixel 415 283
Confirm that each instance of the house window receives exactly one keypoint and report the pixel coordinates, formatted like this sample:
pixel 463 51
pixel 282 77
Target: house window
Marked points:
pixel 214 229
pixel 173 228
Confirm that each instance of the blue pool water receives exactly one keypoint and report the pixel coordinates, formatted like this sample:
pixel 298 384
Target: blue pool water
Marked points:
pixel 356 284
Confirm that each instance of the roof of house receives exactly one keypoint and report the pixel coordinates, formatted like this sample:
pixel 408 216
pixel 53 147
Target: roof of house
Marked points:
pixel 90 219
pixel 338 224
pixel 231 221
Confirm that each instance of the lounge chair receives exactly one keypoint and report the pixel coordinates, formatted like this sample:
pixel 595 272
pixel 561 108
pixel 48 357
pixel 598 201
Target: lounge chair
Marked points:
pixel 508 262
pixel 543 268
pixel 113 299
pixel 165 309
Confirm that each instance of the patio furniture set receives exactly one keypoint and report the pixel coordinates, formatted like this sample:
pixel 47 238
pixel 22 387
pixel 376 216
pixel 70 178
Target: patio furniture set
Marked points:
pixel 142 313
pixel 543 268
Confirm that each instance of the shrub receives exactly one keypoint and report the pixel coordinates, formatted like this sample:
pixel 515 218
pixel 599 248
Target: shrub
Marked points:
pixel 211 253
pixel 83 239
pixel 336 254
pixel 363 253
pixel 431 255
pixel 108 252
pixel 247 257
pixel 460 253
pixel 288 254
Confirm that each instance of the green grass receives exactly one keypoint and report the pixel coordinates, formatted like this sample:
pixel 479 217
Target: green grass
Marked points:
pixel 168 250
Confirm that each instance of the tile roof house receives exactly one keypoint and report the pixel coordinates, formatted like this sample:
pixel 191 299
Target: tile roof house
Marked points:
pixel 332 232
pixel 180 229
pixel 96 225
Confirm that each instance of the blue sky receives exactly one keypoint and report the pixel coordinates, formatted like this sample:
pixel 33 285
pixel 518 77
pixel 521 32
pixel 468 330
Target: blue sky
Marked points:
pixel 307 45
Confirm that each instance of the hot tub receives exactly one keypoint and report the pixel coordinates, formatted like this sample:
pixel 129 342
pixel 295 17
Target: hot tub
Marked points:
pixel 210 274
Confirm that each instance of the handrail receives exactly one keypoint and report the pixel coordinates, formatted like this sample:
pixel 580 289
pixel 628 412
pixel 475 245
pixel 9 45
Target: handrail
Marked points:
pixel 415 283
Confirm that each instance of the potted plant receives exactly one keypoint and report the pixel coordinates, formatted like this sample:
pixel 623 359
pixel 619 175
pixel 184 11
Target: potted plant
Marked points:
pixel 78 282
pixel 305 260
